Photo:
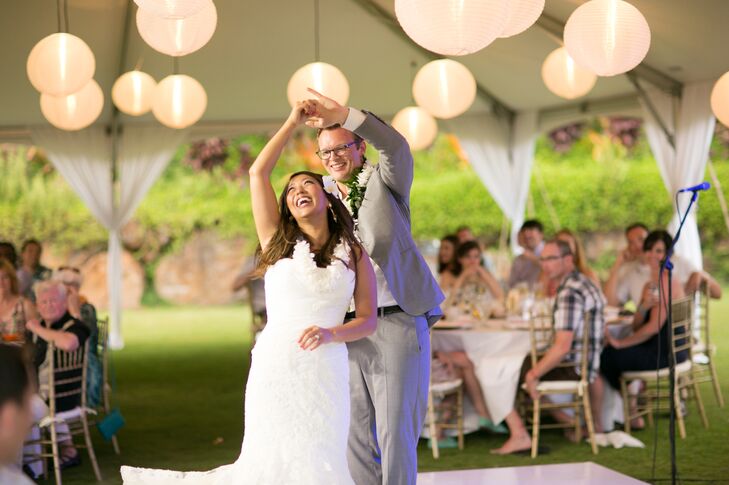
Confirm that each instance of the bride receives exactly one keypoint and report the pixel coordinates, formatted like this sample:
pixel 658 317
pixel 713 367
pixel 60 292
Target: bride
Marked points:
pixel 297 395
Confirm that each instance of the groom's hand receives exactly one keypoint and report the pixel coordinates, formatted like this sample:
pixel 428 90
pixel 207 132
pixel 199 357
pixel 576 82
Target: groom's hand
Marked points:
pixel 328 112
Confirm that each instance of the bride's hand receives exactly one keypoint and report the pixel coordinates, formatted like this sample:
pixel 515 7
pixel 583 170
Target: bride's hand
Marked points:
pixel 315 336
pixel 301 112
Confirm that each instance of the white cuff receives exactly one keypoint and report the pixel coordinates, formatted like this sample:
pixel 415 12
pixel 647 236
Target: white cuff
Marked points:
pixel 354 120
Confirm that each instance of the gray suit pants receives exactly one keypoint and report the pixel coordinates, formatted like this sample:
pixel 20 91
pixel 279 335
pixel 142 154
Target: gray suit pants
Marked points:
pixel 389 378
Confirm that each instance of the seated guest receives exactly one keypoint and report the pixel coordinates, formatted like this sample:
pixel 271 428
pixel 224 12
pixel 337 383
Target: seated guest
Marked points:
pixel 7 251
pixel 576 296
pixel 16 392
pixel 14 309
pixel 473 283
pixel 579 253
pixel 31 271
pixel 67 333
pixel 78 306
pixel 457 365
pixel 464 234
pixel 640 350
pixel 526 268
pixel 448 267
pixel 628 274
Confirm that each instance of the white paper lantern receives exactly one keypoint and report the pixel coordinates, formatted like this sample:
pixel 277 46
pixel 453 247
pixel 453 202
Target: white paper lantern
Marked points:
pixel 720 99
pixel 179 101
pixel 522 15
pixel 444 88
pixel 60 64
pixel 132 92
pixel 417 126
pixel 608 37
pixel 74 111
pixel 177 36
pixel 173 8
pixel 564 77
pixel 323 77
pixel 452 27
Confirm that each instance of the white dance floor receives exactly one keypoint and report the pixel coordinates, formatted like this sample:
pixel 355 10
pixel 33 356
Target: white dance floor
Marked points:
pixel 563 474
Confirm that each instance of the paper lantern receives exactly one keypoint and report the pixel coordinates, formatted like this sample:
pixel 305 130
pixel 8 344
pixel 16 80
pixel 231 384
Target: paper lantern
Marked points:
pixel 417 126
pixel 444 88
pixel 173 8
pixel 608 37
pixel 177 36
pixel 452 27
pixel 522 15
pixel 323 77
pixel 564 77
pixel 74 111
pixel 179 101
pixel 60 64
pixel 132 92
pixel 720 99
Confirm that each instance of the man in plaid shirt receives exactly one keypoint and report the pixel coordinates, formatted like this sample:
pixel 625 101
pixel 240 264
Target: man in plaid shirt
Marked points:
pixel 576 296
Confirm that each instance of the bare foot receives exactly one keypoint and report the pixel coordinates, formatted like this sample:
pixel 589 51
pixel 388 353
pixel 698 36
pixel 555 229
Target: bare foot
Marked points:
pixel 572 436
pixel 514 444
pixel 637 424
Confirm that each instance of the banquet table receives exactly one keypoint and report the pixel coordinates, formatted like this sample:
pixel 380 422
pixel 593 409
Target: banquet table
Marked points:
pixel 497 347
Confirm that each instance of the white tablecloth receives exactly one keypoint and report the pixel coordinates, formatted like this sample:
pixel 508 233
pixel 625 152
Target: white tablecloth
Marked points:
pixel 497 356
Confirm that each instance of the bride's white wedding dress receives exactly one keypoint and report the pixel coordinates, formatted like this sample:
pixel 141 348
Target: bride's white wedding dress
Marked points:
pixel 296 401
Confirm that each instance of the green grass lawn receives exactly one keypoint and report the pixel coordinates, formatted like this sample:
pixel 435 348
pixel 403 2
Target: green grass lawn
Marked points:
pixel 180 384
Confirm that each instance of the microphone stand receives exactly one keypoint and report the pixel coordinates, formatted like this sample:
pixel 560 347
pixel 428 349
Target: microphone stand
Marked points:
pixel 668 265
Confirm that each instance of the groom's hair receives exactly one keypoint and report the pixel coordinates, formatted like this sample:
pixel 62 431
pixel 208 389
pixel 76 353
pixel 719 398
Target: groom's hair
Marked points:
pixel 357 138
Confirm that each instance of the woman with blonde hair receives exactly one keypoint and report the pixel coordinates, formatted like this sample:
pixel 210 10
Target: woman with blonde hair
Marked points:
pixel 15 310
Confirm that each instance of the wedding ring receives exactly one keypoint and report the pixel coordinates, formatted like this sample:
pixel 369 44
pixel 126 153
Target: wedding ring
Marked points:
pixel 316 336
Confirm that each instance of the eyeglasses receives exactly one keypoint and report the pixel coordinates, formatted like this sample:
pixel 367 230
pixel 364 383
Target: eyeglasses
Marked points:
pixel 337 150
pixel 549 258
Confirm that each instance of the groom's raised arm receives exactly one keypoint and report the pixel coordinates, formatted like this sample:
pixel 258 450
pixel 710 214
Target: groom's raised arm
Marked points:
pixel 396 160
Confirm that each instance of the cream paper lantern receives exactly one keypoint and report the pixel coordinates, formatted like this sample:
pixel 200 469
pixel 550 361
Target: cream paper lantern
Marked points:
pixel 60 64
pixel 322 77
pixel 173 8
pixel 132 92
pixel 608 37
pixel 74 111
pixel 177 36
pixel 417 126
pixel 452 27
pixel 564 77
pixel 179 101
pixel 720 99
pixel 444 88
pixel 522 15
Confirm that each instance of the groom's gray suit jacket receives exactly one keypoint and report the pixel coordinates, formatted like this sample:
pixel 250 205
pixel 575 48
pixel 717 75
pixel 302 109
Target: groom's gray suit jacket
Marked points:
pixel 384 223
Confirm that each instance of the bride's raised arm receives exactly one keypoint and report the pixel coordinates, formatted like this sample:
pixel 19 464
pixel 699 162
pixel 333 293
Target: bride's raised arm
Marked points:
pixel 265 206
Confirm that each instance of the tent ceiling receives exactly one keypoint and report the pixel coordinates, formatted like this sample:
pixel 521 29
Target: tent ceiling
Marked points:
pixel 260 43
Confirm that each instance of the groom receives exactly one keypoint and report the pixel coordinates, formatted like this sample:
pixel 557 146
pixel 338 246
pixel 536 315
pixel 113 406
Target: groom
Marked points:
pixel 389 371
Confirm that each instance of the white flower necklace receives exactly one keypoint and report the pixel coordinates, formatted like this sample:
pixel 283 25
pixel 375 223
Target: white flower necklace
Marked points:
pixel 357 187
pixel 323 279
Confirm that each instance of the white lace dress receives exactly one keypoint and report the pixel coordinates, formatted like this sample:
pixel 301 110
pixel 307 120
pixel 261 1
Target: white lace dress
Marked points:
pixel 296 401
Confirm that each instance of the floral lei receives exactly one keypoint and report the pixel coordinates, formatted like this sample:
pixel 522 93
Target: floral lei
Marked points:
pixel 357 186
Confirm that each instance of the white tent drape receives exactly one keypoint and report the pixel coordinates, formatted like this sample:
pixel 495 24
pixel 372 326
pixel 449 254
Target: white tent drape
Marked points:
pixel 83 158
pixel 502 158
pixel 692 124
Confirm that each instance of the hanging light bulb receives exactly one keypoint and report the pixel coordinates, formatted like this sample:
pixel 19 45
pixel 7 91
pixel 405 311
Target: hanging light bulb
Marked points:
pixel 522 15
pixel 323 77
pixel 74 111
pixel 60 64
pixel 564 77
pixel 173 8
pixel 417 126
pixel 132 92
pixel 177 36
pixel 720 99
pixel 444 88
pixel 179 101
pixel 452 27
pixel 608 37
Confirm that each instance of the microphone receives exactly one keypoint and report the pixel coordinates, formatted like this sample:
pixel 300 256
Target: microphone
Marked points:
pixel 696 188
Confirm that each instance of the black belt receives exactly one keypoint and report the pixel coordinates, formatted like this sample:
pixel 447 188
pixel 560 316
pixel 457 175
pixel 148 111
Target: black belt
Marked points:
pixel 381 311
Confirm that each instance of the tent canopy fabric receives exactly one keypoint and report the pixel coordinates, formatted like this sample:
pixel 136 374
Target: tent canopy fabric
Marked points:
pixel 259 44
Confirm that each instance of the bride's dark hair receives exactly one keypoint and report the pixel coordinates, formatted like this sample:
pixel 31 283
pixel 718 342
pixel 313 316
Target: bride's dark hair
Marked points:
pixel 281 245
